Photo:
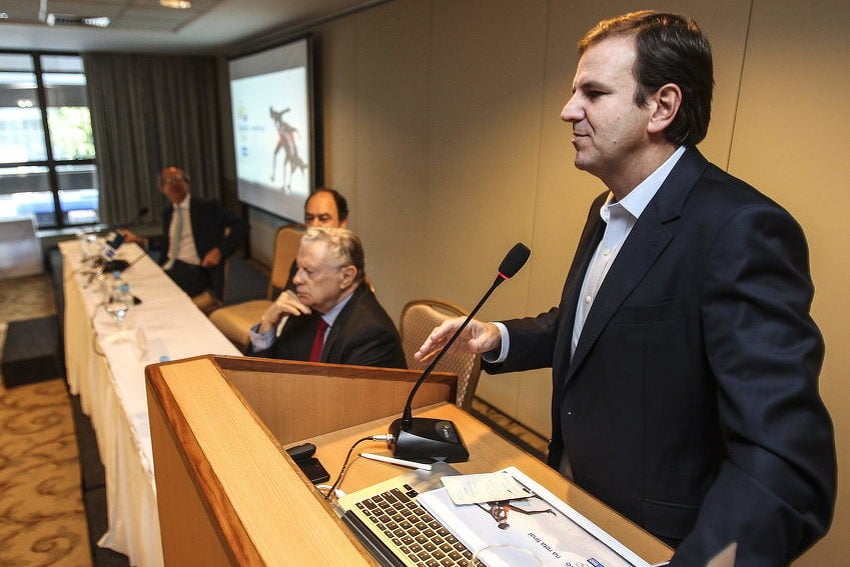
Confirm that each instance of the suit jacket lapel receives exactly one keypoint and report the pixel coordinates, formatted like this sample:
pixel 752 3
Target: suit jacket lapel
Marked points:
pixel 339 324
pixel 645 243
pixel 591 236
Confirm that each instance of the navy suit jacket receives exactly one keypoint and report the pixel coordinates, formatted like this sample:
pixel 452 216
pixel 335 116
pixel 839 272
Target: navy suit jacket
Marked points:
pixel 209 221
pixel 363 334
pixel 691 403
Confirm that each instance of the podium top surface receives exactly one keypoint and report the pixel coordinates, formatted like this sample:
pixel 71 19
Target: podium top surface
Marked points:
pixel 229 420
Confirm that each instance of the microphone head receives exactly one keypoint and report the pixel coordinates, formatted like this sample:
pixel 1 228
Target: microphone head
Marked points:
pixel 143 211
pixel 514 260
pixel 116 241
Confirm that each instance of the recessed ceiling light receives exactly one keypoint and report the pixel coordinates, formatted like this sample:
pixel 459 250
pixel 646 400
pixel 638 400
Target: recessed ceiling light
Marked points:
pixel 176 4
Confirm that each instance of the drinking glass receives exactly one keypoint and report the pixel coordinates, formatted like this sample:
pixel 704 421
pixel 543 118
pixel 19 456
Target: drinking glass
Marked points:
pixel 88 245
pixel 118 311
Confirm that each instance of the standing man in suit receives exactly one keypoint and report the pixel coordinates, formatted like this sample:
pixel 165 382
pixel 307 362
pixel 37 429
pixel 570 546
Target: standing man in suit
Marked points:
pixel 684 359
pixel 332 315
pixel 197 239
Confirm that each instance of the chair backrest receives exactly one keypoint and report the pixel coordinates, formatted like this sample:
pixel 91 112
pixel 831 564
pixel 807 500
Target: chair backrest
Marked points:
pixel 286 243
pixel 418 319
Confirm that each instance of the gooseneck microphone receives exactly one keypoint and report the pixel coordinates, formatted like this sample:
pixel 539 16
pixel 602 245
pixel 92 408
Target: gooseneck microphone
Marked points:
pixel 111 247
pixel 426 439
pixel 142 212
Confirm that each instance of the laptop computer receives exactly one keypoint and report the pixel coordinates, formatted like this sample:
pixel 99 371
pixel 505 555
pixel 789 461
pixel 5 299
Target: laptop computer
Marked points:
pixel 410 520
pixel 396 529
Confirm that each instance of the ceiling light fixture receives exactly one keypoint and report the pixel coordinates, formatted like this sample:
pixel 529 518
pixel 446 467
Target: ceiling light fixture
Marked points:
pixel 176 4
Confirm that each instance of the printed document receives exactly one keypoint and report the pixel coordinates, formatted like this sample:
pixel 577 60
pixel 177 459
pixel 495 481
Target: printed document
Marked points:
pixel 535 520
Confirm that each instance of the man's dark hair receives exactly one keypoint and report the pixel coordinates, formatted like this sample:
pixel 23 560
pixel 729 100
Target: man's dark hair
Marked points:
pixel 341 203
pixel 670 49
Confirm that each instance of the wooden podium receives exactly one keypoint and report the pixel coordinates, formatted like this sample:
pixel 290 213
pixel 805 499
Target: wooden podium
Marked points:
pixel 228 494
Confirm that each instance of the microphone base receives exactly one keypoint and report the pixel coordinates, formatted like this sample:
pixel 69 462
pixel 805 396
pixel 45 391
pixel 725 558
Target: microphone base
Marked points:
pixel 428 440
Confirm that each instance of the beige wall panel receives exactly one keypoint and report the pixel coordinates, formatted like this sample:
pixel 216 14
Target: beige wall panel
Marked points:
pixel 725 23
pixel 391 147
pixel 487 75
pixel 336 64
pixel 791 142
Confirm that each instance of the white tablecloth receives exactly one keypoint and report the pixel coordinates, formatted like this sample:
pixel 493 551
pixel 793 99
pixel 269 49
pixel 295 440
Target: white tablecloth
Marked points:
pixel 106 369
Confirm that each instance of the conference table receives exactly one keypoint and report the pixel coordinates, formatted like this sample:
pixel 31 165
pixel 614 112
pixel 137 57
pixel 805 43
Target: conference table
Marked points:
pixel 106 368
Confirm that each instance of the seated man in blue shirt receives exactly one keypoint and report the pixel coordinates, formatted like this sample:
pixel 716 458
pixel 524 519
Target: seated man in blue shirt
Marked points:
pixel 331 316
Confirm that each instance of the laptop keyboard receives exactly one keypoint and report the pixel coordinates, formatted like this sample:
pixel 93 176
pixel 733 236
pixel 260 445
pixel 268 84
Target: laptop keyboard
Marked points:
pixel 416 534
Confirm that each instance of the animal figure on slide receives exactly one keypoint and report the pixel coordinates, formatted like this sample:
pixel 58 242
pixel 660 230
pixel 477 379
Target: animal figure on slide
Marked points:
pixel 286 141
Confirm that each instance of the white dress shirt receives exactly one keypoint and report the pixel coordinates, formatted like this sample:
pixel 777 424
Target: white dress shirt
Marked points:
pixel 619 217
pixel 185 246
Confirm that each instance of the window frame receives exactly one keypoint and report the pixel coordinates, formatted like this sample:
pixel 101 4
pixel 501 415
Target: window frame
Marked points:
pixel 50 163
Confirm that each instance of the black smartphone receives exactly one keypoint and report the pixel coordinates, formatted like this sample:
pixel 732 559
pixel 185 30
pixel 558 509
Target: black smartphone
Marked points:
pixel 302 451
pixel 313 469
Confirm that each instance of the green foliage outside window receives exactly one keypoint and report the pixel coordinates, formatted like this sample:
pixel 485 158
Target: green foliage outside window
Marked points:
pixel 70 132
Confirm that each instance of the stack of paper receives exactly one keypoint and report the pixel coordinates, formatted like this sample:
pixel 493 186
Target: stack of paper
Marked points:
pixel 508 508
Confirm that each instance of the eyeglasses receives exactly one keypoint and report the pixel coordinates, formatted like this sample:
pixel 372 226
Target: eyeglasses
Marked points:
pixel 170 180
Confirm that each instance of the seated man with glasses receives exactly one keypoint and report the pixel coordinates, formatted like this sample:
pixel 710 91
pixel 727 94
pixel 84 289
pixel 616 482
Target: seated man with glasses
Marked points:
pixel 333 316
pixel 196 240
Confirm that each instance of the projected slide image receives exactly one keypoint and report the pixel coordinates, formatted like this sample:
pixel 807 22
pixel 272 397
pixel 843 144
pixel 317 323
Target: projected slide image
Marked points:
pixel 271 129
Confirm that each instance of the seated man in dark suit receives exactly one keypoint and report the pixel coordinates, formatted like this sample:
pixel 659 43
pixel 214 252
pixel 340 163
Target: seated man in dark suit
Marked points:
pixel 332 315
pixel 197 240
pixel 324 207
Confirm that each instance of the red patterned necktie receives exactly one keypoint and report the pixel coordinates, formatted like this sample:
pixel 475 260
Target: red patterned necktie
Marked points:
pixel 318 341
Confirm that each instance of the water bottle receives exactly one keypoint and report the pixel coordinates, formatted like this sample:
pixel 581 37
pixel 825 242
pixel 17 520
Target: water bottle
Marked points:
pixel 120 289
pixel 119 298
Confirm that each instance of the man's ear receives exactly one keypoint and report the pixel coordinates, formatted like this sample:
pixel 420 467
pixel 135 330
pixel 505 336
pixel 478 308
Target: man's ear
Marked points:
pixel 348 275
pixel 665 103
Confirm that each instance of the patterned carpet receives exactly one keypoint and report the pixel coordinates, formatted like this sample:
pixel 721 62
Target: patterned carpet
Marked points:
pixel 42 519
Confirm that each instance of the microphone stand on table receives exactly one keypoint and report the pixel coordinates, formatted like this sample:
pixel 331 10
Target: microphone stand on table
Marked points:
pixel 425 439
